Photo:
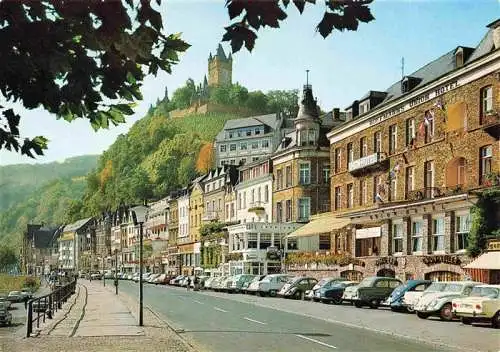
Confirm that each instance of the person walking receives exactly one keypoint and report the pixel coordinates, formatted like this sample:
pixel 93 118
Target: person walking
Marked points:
pixel 188 283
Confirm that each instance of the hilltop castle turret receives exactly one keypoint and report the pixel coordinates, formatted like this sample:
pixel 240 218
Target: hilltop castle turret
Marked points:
pixel 220 68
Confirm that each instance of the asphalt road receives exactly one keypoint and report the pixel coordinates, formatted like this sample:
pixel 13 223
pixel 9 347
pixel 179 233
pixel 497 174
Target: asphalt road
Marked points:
pixel 227 323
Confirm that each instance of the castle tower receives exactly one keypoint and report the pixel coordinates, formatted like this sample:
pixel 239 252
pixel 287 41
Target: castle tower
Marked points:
pixel 220 68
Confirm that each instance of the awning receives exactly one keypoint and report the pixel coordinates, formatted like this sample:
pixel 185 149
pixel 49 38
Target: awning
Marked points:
pixel 488 261
pixel 322 223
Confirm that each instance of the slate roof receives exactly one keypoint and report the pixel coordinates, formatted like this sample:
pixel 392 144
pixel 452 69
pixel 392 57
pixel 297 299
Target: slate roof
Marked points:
pixel 269 120
pixel 76 225
pixel 483 48
pixel 42 237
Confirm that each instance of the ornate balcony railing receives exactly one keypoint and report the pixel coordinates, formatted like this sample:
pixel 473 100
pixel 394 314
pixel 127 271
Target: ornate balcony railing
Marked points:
pixel 256 207
pixel 210 216
pixel 490 122
pixel 425 193
pixel 372 162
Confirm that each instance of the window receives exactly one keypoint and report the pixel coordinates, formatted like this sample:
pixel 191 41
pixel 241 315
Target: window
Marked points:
pixel 265 240
pixel 288 174
pixel 279 212
pixel 244 199
pixel 338 198
pixel 255 158
pixel 305 173
pixel 304 208
pixel 266 193
pixel 288 210
pixel 338 159
pixel 486 100
pixel 377 142
pixel 455 172
pixel 208 188
pixel 429 178
pixel 326 173
pixel 393 137
pixel 252 197
pixel 243 161
pixel 350 195
pixel 350 153
pixel 416 236
pixel 362 192
pixel 239 200
pixel 243 146
pixel 429 126
pixel 485 155
pixel 393 191
pixel 279 179
pixel 249 133
pixel 410 180
pixel 230 134
pixel 257 131
pixel 255 145
pixel 438 234
pixel 232 161
pixel 265 143
pixel 397 237
pixel 222 148
pixel 410 131
pixel 258 195
pixel 232 147
pixel 251 240
pixel 377 184
pixel 462 230
pixel 363 147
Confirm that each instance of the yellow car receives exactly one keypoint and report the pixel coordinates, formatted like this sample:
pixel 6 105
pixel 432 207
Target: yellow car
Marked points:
pixel 483 305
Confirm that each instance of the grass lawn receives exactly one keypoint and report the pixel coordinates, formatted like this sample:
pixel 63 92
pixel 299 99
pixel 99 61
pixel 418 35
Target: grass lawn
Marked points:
pixel 15 283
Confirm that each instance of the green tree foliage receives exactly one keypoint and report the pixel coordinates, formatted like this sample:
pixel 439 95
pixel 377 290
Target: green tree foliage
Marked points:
pixel 257 101
pixel 183 96
pixel 285 101
pixel 485 221
pixel 8 258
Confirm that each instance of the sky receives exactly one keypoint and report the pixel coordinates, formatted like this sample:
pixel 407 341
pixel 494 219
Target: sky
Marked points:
pixel 343 67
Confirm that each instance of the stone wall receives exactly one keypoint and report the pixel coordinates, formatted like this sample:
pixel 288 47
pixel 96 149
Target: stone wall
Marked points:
pixel 205 108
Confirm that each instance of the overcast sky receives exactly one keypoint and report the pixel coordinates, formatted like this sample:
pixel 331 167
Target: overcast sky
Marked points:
pixel 342 67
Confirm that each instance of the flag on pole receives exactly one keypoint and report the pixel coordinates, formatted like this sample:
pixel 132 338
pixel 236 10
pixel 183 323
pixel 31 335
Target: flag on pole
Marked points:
pixel 378 198
pixel 439 104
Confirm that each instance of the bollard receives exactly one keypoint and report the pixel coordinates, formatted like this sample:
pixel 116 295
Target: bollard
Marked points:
pixel 29 319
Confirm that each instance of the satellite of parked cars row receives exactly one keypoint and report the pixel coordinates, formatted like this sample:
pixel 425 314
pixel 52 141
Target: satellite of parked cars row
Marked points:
pixel 468 301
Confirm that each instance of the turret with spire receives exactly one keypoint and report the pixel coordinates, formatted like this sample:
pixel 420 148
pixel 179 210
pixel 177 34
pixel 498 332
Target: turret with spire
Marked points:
pixel 307 122
pixel 220 68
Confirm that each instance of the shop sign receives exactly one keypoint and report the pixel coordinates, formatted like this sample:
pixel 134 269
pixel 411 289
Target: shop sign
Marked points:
pixel 445 259
pixel 494 245
pixel 369 232
pixel 386 260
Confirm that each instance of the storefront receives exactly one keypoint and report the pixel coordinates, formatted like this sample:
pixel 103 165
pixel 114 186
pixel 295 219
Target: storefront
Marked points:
pixel 486 267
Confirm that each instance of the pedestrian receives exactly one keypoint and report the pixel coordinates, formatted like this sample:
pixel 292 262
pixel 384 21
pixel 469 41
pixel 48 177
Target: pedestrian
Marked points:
pixel 188 283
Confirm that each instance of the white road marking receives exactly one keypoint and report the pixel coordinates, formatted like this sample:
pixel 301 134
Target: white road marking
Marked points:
pixel 220 309
pixel 198 302
pixel 315 341
pixel 255 321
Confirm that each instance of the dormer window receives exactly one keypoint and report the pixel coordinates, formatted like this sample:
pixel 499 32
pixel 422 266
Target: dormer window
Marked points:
pixel 408 83
pixel 459 57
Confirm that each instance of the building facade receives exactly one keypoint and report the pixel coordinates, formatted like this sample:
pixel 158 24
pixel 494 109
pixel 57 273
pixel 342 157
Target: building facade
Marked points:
pixel 77 249
pixel 254 192
pixel 406 171
pixel 249 139
pixel 215 186
pixel 173 232
pixel 220 68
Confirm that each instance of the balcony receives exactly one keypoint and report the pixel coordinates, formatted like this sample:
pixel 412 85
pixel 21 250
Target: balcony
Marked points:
pixel 210 216
pixel 369 163
pixel 257 207
pixel 425 193
pixel 491 124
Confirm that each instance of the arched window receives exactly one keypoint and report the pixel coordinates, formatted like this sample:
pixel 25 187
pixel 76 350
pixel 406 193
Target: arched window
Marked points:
pixel 455 172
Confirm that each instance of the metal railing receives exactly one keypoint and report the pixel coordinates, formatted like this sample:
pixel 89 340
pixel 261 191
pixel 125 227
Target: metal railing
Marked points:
pixel 45 306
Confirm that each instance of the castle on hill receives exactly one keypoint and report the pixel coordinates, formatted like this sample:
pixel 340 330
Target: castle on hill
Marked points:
pixel 220 73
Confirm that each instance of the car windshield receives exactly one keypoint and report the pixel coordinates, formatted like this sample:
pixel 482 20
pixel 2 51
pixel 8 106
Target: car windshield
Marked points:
pixel 490 292
pixel 14 293
pixel 366 282
pixel 324 282
pixel 436 287
pixel 453 288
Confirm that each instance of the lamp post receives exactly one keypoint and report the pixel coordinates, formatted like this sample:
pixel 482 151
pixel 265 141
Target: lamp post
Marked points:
pixel 116 271
pixel 139 216
pixel 103 273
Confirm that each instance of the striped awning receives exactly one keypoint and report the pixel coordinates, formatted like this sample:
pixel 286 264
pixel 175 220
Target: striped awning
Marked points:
pixel 488 261
pixel 322 223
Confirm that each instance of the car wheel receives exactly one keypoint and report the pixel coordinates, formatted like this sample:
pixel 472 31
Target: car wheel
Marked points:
pixel 466 321
pixel 297 295
pixel 422 315
pixel 358 304
pixel 446 313
pixel 410 309
pixel 374 303
pixel 272 293
pixel 495 322
pixel 337 301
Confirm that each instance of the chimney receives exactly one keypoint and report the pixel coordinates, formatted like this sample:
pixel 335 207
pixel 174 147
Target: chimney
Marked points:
pixel 495 31
pixel 336 114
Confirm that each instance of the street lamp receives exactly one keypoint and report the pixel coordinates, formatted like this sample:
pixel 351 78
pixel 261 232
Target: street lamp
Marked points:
pixel 116 271
pixel 139 217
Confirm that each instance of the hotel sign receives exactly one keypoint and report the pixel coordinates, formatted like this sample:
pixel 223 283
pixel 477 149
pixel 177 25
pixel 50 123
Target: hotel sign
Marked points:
pixel 365 161
pixel 369 232
pixel 494 245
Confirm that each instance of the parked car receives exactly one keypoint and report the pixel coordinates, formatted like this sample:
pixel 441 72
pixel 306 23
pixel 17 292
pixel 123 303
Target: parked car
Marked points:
pixel 151 278
pixel 26 294
pixel 332 291
pixel 237 282
pixel 482 306
pixel 218 283
pixel 15 296
pixel 395 300
pixel 439 303
pixel 296 287
pixel 254 281
pixel 371 291
pixel 5 315
pixel 311 294
pixel 270 285
pixel 5 301
pixel 176 281
pixel 197 282
pixel 411 298
pixel 208 282
pixel 96 275
pixel 135 277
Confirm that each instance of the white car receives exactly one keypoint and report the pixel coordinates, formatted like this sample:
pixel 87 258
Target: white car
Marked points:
pixel 272 284
pixel 411 298
pixel 440 303
pixel 350 294
pixel 208 282
pixel 482 306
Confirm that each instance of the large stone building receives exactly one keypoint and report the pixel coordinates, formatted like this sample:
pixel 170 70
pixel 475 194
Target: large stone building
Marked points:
pixel 216 184
pixel 249 139
pixel 77 249
pixel 173 233
pixel 220 68
pixel 407 166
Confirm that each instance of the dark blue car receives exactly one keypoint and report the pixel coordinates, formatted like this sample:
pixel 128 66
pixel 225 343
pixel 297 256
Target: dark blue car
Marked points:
pixel 395 300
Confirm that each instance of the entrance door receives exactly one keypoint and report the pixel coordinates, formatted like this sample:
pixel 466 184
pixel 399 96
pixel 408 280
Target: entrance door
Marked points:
pixel 385 272
pixel 352 275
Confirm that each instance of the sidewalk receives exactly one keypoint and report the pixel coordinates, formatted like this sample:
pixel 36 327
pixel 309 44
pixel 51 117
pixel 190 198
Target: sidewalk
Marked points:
pixel 95 319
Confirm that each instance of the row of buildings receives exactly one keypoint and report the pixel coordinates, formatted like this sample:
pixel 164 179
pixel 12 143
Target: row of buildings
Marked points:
pixel 384 187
